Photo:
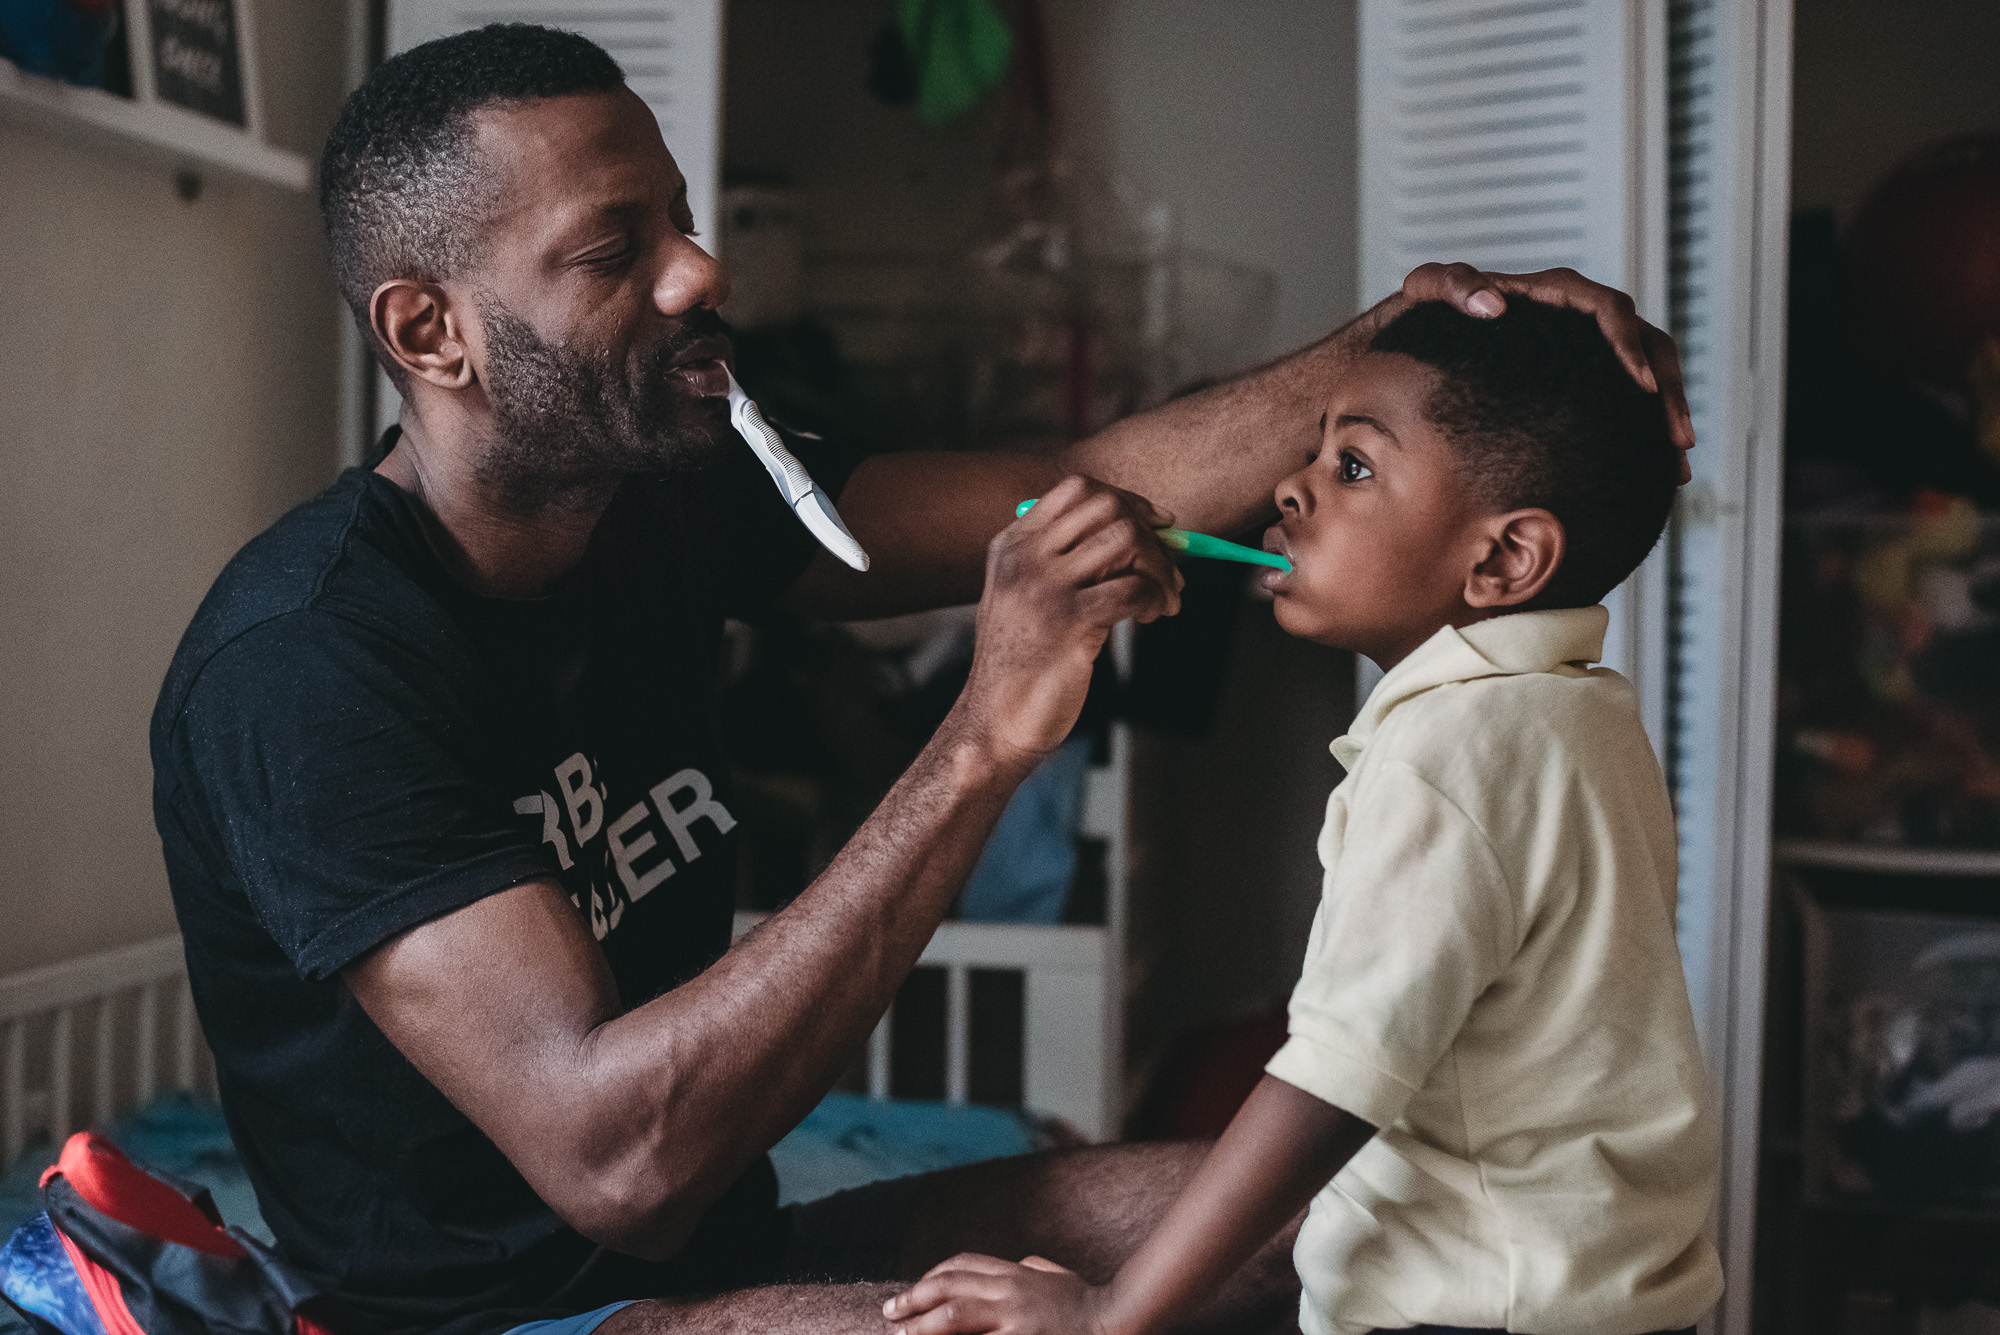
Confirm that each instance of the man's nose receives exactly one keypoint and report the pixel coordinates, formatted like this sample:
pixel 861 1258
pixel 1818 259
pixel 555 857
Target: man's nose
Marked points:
pixel 691 277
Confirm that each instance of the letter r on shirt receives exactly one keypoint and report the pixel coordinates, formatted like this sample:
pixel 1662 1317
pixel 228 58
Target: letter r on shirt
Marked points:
pixel 545 806
pixel 704 807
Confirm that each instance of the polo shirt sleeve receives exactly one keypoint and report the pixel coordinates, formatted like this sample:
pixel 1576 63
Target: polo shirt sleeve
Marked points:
pixel 1417 919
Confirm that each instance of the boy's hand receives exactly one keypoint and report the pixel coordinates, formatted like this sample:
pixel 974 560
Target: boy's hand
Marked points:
pixel 1649 354
pixel 972 1295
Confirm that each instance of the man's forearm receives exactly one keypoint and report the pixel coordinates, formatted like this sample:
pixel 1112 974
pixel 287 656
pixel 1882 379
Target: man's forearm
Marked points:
pixel 1212 458
pixel 727 1063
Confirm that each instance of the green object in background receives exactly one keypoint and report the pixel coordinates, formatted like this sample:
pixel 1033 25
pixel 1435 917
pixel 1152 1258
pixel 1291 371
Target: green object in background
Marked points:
pixel 1201 544
pixel 960 48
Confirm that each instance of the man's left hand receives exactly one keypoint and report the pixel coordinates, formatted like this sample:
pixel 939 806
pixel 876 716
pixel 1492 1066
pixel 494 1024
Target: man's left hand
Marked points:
pixel 1649 353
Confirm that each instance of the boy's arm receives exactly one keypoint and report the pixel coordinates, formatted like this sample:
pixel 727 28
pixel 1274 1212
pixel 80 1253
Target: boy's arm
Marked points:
pixel 1280 1149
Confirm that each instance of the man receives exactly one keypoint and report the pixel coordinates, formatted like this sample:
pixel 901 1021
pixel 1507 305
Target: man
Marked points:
pixel 448 833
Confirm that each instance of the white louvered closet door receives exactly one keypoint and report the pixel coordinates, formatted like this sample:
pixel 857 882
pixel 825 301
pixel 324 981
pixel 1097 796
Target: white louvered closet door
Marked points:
pixel 1523 136
pixel 670 50
pixel 1730 165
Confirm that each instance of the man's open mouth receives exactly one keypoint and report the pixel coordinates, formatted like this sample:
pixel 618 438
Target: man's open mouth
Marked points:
pixel 702 366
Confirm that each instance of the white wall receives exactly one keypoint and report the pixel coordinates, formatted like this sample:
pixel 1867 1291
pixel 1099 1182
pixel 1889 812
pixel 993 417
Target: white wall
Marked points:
pixel 166 390
pixel 1241 116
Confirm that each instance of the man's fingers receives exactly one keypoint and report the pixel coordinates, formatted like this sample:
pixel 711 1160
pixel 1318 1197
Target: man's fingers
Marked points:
pixel 1122 546
pixel 1460 284
pixel 1119 551
pixel 1648 354
pixel 1127 598
pixel 1617 318
pixel 1087 518
pixel 1664 355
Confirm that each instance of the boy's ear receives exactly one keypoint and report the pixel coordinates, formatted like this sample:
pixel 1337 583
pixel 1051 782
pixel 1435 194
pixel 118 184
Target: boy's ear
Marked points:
pixel 1522 551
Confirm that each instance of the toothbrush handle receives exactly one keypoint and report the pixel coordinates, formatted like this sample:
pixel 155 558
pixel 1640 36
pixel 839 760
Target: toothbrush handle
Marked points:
pixel 1203 544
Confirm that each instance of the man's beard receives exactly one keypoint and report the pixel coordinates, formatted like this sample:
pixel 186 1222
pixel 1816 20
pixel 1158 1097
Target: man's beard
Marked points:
pixel 566 418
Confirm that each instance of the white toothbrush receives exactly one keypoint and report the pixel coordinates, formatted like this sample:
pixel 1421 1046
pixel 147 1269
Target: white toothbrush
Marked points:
pixel 813 506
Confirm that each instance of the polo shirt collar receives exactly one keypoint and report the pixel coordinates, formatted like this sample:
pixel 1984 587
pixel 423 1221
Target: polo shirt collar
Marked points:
pixel 1506 646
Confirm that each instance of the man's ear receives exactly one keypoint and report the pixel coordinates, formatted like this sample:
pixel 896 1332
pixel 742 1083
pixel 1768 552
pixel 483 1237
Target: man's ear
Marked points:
pixel 1523 550
pixel 417 322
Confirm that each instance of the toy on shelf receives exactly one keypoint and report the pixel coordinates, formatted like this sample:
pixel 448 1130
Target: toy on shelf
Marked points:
pixel 1890 677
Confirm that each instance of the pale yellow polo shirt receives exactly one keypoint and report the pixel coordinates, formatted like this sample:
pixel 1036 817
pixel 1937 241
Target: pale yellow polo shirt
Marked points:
pixel 1493 980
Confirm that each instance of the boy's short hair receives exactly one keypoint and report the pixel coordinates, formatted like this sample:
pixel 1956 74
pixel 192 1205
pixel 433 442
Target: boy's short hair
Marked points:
pixel 1542 414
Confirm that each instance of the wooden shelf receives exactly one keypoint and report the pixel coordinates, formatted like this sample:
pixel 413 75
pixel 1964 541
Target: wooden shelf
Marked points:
pixel 161 133
pixel 1888 859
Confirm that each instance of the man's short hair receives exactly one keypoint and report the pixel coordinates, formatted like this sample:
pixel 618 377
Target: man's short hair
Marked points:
pixel 401 190
pixel 1543 414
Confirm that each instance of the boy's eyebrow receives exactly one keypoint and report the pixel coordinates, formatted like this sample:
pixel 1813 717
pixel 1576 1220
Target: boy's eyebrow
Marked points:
pixel 1361 419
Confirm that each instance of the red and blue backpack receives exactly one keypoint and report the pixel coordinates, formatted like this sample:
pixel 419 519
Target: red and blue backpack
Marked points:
pixel 117 1250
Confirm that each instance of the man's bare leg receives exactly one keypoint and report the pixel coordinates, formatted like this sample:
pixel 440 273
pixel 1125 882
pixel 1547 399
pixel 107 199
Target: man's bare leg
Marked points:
pixel 779 1309
pixel 1089 1209
pixel 1085 1208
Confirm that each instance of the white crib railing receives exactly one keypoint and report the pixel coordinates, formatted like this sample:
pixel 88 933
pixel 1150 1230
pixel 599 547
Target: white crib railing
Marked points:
pixel 87 1040
pixel 108 1014
pixel 1070 997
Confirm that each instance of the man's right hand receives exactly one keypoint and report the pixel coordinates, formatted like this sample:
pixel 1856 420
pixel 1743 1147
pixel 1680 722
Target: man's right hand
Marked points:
pixel 1057 580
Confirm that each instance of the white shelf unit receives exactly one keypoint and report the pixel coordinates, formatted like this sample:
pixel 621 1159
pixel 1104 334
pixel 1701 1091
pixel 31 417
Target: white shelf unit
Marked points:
pixel 154 131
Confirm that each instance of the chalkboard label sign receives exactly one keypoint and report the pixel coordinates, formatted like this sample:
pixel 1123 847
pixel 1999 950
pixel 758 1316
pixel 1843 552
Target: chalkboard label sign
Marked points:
pixel 198 57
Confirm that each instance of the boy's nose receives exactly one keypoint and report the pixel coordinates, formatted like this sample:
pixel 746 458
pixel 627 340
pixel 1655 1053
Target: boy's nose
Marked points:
pixel 1292 498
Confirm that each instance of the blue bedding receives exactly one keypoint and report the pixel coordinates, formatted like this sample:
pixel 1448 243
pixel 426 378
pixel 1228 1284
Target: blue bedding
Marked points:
pixel 845 1142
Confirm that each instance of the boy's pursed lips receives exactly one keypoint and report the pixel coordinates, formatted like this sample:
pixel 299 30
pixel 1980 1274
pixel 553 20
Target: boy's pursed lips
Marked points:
pixel 1277 540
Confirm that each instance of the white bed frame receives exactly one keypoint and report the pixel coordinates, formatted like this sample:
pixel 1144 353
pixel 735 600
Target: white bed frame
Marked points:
pixel 125 1016
pixel 88 1040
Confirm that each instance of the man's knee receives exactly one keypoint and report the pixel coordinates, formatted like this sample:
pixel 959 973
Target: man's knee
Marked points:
pixel 777 1309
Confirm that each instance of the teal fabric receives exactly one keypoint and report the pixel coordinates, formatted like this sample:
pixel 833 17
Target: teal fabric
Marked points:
pixel 850 1141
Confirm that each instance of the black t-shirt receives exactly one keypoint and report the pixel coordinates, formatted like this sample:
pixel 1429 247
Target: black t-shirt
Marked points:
pixel 349 743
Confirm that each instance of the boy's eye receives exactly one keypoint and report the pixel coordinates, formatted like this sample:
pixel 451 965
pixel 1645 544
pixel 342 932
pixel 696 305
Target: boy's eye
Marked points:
pixel 1352 469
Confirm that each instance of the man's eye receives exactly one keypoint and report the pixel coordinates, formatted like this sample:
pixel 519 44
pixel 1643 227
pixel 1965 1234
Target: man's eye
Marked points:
pixel 609 260
pixel 1352 469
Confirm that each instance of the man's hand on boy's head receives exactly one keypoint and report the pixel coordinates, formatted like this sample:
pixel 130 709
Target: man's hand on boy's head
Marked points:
pixel 972 1295
pixel 1650 354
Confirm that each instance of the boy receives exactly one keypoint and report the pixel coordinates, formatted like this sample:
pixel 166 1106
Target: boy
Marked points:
pixel 1492 1096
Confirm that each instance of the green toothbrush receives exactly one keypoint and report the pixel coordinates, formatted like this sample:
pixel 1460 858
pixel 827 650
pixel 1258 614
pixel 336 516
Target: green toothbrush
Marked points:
pixel 1201 544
